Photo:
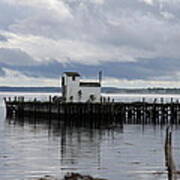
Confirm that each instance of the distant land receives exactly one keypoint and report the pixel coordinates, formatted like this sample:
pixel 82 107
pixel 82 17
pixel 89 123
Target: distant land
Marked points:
pixel 104 90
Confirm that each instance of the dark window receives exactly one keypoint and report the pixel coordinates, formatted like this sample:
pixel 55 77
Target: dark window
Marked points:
pixel 74 78
pixel 62 81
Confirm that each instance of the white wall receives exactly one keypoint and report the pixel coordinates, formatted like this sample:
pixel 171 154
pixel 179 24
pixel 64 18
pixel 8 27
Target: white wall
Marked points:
pixel 72 88
pixel 87 91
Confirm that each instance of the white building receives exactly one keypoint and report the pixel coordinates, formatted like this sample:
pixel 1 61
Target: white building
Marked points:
pixel 74 90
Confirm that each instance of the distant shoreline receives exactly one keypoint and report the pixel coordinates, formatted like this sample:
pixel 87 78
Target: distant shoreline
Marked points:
pixel 107 90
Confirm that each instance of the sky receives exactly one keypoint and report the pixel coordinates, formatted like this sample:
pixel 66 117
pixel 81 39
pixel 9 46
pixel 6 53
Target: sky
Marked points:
pixel 136 43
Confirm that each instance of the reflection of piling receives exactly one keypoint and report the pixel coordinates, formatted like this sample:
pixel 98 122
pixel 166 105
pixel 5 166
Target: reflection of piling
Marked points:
pixel 169 156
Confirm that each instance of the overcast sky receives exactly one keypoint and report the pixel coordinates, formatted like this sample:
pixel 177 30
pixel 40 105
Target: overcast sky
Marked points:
pixel 136 43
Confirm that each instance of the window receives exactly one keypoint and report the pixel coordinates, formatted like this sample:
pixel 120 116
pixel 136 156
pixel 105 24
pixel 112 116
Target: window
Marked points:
pixel 74 78
pixel 62 81
pixel 71 98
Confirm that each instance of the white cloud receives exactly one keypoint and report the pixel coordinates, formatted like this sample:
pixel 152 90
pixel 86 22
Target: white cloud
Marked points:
pixel 15 78
pixel 94 36
pixel 57 6
pixel 98 1
pixel 65 50
pixel 150 2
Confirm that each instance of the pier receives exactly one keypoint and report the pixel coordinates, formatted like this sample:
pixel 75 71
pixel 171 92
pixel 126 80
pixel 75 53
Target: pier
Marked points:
pixel 123 112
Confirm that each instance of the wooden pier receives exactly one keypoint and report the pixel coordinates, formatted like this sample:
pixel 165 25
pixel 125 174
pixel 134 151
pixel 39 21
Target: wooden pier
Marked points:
pixel 131 113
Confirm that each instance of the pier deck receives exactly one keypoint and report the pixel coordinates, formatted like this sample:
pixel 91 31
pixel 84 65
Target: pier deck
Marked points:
pixel 131 113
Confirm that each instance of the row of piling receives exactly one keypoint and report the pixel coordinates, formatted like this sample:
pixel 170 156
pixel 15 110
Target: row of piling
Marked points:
pixel 125 112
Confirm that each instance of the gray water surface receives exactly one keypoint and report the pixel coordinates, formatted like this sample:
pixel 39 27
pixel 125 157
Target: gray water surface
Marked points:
pixel 29 149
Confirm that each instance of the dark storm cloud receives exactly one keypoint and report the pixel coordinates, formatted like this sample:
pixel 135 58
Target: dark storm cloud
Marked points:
pixel 3 38
pixel 2 73
pixel 146 69
pixel 52 69
pixel 15 56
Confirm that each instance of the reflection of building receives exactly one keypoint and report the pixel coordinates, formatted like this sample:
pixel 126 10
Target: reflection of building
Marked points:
pixel 74 90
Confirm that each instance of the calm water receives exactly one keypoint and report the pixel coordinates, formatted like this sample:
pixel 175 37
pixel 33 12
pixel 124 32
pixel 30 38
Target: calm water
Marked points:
pixel 30 150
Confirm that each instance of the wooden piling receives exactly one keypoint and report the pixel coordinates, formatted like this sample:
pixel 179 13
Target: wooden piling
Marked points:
pixel 133 113
pixel 169 162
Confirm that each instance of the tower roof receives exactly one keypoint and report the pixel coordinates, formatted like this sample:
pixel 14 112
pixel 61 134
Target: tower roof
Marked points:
pixel 72 73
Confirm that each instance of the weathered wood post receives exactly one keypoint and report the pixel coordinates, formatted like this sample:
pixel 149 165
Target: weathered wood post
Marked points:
pixel 175 111
pixel 178 111
pixel 138 112
pixel 34 108
pixel 50 106
pixel 101 99
pixel 172 111
pixel 22 106
pixel 58 110
pixel 144 110
pixel 4 98
pixel 8 112
pixel 108 99
pixel 162 111
pixel 171 168
pixel 154 112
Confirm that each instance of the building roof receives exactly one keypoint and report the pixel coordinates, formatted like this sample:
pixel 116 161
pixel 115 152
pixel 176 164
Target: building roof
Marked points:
pixel 72 73
pixel 90 84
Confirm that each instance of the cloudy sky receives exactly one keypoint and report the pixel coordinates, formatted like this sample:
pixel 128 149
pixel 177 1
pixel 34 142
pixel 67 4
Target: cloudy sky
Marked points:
pixel 136 43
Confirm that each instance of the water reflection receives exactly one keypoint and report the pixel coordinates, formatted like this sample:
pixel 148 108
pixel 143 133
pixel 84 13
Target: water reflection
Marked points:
pixel 48 146
pixel 80 141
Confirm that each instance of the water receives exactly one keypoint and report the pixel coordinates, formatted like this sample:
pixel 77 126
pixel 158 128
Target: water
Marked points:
pixel 148 97
pixel 30 150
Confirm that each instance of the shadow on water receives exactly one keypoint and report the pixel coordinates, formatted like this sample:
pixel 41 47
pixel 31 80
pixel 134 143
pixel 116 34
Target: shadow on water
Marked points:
pixel 55 126
pixel 74 134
